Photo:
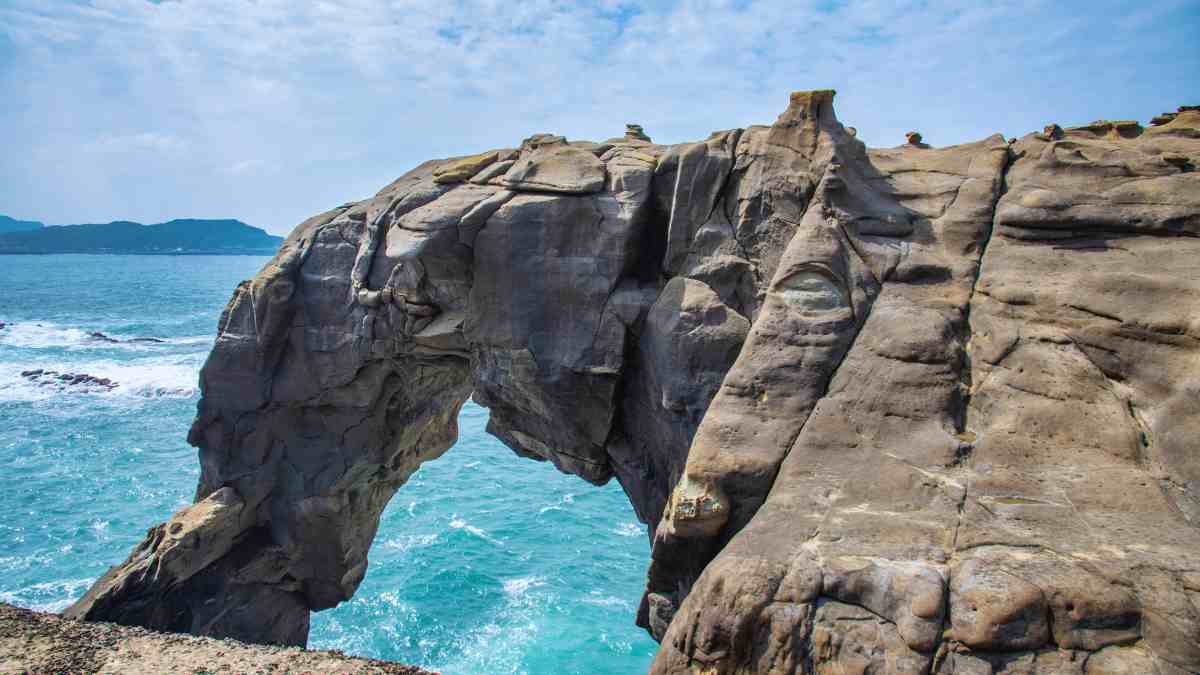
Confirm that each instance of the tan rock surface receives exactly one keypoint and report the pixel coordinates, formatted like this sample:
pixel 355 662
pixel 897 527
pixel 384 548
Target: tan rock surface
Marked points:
pixel 894 410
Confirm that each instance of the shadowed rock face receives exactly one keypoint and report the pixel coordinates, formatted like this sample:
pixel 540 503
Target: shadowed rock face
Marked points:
pixel 903 410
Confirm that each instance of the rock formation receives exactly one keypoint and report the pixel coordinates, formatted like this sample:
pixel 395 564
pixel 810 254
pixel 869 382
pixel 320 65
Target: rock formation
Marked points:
pixel 899 410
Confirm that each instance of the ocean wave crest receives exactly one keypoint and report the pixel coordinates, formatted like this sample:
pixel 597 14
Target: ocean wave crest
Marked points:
pixel 457 523
pixel 516 588
pixel 48 335
pixel 49 596
pixel 630 530
pixel 170 377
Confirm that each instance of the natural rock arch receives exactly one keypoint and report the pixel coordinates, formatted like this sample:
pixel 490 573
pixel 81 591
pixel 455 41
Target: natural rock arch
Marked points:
pixel 895 410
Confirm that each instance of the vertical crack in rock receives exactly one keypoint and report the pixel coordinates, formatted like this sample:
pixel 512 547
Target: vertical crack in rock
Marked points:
pixel 966 436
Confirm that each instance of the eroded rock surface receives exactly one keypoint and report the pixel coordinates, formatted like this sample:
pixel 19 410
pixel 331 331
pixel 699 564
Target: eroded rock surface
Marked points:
pixel 900 410
pixel 32 643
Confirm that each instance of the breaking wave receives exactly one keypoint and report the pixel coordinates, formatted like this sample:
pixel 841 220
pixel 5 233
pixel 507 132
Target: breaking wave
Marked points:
pixel 175 377
pixel 47 335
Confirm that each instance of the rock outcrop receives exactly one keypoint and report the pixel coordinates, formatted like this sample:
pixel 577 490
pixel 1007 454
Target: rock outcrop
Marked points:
pixel 33 643
pixel 53 378
pixel 901 410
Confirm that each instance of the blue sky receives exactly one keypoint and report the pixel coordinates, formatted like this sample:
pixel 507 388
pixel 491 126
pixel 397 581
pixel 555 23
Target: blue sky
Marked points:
pixel 272 110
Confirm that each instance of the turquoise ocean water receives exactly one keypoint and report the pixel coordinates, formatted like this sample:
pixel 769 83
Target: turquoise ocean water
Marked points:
pixel 484 562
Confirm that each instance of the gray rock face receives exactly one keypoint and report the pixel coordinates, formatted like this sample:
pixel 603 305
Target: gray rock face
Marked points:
pixel 885 410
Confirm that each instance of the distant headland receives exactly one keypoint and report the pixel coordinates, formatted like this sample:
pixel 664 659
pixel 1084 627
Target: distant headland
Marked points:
pixel 185 236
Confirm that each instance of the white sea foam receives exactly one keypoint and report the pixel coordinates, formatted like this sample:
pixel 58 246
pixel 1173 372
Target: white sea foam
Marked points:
pixel 23 562
pixel 566 499
pixel 457 523
pixel 601 600
pixel 630 530
pixel 49 596
pixel 500 645
pixel 516 588
pixel 157 378
pixel 410 541
pixel 41 335
pixel 169 377
pixel 192 340
pixel 48 335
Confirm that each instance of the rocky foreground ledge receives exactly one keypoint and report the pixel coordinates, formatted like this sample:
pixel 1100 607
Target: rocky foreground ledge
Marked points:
pixel 885 410
pixel 35 643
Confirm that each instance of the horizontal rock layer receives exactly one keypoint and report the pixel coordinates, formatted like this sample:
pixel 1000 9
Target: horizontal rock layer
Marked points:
pixel 884 410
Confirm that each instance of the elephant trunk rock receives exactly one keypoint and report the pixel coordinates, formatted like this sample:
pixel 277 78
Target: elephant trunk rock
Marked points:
pixel 916 409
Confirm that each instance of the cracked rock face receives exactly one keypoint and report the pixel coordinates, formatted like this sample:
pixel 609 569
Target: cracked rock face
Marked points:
pixel 900 410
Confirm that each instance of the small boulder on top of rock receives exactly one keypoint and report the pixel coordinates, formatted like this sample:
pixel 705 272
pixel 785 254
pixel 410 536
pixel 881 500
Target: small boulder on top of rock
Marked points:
pixel 556 168
pixel 1165 118
pixel 538 141
pixel 914 139
pixel 1111 129
pixel 634 132
pixel 463 169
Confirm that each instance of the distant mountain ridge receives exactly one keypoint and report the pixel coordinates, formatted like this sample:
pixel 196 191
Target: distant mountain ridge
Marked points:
pixel 13 225
pixel 180 236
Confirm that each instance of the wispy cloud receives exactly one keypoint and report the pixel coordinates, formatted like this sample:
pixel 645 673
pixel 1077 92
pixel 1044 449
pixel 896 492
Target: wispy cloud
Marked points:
pixel 332 99
pixel 248 167
pixel 146 141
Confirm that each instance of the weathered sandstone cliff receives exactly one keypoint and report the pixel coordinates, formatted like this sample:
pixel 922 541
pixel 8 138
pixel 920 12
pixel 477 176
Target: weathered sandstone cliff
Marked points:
pixel 900 410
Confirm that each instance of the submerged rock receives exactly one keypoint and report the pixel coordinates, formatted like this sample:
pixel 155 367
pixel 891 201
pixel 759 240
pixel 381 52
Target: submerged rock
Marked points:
pixel 884 410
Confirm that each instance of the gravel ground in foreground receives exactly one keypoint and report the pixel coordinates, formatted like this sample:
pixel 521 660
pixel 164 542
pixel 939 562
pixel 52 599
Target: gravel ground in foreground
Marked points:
pixel 34 642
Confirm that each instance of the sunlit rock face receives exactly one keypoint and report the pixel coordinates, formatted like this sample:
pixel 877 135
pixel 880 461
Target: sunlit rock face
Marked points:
pixel 884 410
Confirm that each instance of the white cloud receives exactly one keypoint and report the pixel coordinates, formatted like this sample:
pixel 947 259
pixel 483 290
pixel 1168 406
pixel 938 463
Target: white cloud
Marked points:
pixel 335 98
pixel 248 167
pixel 147 141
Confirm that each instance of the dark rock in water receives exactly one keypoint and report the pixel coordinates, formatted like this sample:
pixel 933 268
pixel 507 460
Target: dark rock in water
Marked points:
pixel 3 325
pixel 55 378
pixel 97 335
pixel 900 410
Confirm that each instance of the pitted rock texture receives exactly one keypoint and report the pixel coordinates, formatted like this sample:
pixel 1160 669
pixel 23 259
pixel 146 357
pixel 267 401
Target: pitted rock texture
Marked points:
pixel 901 410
